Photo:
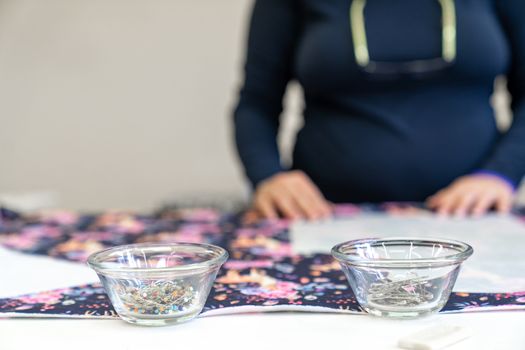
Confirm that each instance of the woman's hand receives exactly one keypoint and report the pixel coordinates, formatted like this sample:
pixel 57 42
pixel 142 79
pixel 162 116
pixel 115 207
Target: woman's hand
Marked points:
pixel 473 195
pixel 292 195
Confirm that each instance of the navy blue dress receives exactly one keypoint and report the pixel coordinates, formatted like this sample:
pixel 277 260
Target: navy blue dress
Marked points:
pixel 371 138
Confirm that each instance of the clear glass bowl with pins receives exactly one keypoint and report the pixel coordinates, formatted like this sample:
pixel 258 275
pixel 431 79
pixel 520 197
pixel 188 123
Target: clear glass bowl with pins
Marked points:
pixel 402 277
pixel 158 284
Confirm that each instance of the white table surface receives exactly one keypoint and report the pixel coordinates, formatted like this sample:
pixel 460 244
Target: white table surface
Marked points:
pixel 24 273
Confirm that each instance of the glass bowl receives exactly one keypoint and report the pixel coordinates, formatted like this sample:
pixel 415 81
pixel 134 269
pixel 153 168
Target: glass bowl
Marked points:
pixel 402 277
pixel 158 284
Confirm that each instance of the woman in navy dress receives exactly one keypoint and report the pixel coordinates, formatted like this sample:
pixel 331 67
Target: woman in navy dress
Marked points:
pixel 397 104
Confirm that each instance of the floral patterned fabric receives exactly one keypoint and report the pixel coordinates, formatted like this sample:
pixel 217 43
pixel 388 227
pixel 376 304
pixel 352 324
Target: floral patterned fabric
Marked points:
pixel 262 273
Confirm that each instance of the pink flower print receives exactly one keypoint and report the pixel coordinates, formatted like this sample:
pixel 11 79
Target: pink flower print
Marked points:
pixel 93 235
pixel 61 217
pixel 48 298
pixel 241 264
pixel 280 290
pixel 30 236
pixel 203 214
pixel 247 232
pixel 77 250
pixel 120 222
pixel 199 229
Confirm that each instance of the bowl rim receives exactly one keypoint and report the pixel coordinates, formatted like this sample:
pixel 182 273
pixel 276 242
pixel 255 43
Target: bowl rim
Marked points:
pixel 464 252
pixel 94 263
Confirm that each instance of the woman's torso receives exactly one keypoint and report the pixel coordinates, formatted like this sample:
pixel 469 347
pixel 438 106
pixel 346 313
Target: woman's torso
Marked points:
pixel 403 137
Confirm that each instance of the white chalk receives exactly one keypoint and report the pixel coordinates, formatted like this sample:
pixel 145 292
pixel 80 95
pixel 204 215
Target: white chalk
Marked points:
pixel 434 338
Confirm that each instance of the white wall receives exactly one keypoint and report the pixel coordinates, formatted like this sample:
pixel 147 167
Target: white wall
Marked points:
pixel 122 103
pixel 119 103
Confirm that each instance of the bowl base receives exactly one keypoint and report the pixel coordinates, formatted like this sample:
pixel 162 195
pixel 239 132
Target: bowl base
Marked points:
pixel 399 314
pixel 156 321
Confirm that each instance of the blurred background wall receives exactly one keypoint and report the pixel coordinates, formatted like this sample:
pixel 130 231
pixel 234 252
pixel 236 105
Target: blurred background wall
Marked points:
pixel 119 103
pixel 122 103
